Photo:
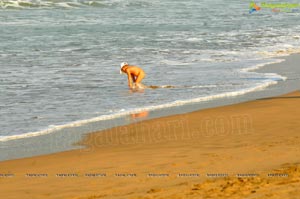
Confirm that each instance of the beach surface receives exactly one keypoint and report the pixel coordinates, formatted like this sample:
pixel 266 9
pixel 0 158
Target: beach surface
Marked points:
pixel 246 150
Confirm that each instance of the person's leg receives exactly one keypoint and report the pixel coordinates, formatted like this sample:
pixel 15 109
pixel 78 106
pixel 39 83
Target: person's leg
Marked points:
pixel 139 80
pixel 140 77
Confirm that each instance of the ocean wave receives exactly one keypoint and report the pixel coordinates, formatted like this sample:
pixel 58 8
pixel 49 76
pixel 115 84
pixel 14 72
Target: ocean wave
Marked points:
pixel 30 4
pixel 19 4
pixel 258 66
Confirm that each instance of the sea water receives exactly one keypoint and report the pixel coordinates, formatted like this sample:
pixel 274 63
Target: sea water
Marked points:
pixel 59 59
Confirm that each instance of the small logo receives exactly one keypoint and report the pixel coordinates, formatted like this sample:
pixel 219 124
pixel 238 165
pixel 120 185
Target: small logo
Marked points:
pixel 275 7
pixel 253 7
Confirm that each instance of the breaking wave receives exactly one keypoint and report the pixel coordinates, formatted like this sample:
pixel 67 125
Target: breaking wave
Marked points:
pixel 30 4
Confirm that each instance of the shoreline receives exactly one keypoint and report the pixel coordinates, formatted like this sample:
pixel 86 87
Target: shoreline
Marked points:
pixel 63 140
pixel 256 137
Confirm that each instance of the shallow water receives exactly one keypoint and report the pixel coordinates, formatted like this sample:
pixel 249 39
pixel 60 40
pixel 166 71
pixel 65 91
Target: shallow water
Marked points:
pixel 59 60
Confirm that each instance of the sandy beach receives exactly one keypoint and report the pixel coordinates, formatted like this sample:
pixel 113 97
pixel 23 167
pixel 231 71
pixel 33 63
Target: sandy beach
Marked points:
pixel 247 150
pixel 218 116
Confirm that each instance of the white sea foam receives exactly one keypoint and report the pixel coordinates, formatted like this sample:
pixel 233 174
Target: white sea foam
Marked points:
pixel 258 66
pixel 18 4
pixel 174 63
pixel 194 39
pixel 55 128
pixel 204 86
pixel 25 4
pixel 271 76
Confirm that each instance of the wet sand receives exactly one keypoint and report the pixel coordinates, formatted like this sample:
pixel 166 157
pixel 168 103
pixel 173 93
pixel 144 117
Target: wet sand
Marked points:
pixel 194 155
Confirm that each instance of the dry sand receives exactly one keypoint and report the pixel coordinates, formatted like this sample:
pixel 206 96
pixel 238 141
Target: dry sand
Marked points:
pixel 261 137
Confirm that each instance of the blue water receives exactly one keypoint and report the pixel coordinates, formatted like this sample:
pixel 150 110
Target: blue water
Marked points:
pixel 59 60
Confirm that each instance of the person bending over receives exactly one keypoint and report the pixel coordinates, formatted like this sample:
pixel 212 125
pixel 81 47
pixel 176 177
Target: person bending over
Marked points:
pixel 135 75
